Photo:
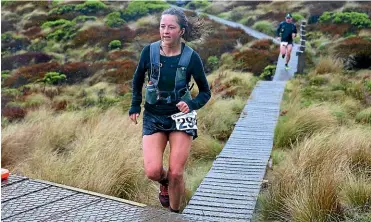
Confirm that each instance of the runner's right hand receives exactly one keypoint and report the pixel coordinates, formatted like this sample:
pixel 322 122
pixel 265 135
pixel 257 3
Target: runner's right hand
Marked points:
pixel 134 117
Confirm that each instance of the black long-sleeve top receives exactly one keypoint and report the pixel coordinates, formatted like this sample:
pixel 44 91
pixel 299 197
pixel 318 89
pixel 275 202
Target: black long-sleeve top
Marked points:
pixel 167 83
pixel 285 31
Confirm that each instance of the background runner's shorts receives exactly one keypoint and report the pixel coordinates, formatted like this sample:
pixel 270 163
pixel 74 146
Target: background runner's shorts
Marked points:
pixel 153 123
pixel 286 43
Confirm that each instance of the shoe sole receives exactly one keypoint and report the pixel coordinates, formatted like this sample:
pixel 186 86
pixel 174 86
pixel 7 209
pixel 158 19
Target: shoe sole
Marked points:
pixel 165 201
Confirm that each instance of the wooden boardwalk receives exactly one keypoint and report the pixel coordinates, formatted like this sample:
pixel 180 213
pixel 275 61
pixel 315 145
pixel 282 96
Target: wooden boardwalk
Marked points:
pixel 23 199
pixel 228 192
pixel 230 189
pixel 281 73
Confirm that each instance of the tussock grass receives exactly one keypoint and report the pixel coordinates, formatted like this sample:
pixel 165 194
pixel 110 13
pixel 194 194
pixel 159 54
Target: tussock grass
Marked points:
pixel 148 20
pixel 205 148
pixel 302 123
pixel 265 27
pixel 36 100
pixel 93 151
pixel 227 83
pixel 321 178
pixel 218 116
pixel 364 116
pixel 291 96
pixel 356 193
pixel 278 156
pixel 216 7
pixel 229 93
pixel 328 65
pixel 365 33
pixel 351 106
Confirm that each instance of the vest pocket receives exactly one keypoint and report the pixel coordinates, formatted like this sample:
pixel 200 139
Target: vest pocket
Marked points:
pixel 180 74
pixel 151 94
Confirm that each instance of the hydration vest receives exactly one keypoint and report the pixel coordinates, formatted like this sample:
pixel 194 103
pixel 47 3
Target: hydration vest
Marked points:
pixel 181 90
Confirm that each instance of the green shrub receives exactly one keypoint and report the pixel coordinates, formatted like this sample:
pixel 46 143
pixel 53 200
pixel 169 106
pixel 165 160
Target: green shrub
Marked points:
pixel 236 16
pixel 314 35
pixel 213 62
pixel 84 18
pixel 114 20
pixel 8 37
pixel 57 2
pixel 59 22
pixel 57 35
pixel 137 9
pixel 66 29
pixel 156 6
pixel 297 16
pixel 63 9
pixel 264 26
pixel 37 45
pixel 268 72
pixel 367 84
pixel 91 7
pixel 10 92
pixel 115 44
pixel 360 20
pixel 53 78
pixel 61 34
pixel 4 74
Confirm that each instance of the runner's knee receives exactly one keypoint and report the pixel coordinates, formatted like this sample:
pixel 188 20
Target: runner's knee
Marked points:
pixel 154 173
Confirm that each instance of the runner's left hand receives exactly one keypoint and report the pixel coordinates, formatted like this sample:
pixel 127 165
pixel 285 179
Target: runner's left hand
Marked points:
pixel 183 107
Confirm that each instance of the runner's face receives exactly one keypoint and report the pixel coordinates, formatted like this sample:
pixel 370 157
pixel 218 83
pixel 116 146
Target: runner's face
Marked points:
pixel 288 20
pixel 170 30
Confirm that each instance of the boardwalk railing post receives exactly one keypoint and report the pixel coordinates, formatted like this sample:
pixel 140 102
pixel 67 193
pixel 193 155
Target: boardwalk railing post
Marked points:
pixel 300 52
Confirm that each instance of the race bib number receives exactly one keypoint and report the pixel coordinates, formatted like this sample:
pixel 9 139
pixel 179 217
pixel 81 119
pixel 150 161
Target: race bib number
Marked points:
pixel 185 121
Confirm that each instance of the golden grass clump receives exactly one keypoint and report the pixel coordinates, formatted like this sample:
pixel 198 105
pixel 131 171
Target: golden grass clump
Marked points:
pixel 299 124
pixel 205 148
pixel 322 178
pixel 364 116
pixel 90 150
pixel 213 119
pixel 328 65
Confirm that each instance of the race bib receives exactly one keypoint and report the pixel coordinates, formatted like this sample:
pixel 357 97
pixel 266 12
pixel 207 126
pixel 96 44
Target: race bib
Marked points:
pixel 185 121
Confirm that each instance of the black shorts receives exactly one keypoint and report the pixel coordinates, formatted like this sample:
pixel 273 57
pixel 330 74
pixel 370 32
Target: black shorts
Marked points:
pixel 153 123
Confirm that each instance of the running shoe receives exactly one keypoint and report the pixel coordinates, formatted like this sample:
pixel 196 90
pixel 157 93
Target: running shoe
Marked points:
pixel 163 196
